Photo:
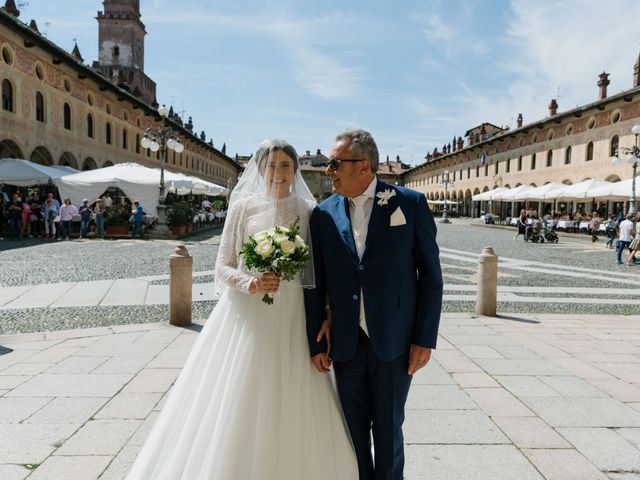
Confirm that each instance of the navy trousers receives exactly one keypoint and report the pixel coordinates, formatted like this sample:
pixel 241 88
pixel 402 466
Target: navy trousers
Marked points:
pixel 373 394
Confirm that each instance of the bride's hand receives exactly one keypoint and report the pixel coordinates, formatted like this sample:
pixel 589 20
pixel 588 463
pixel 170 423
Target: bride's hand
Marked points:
pixel 266 283
pixel 325 331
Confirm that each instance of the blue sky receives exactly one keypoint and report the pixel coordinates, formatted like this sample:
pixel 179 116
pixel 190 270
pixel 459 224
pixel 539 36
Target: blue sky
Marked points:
pixel 414 73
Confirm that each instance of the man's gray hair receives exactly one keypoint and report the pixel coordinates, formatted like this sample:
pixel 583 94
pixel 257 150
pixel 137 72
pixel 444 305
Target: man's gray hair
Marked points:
pixel 361 145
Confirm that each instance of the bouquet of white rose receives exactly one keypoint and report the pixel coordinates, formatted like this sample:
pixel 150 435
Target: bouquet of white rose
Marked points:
pixel 279 250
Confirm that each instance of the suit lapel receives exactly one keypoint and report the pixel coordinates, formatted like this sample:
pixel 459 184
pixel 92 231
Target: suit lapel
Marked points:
pixel 379 218
pixel 343 223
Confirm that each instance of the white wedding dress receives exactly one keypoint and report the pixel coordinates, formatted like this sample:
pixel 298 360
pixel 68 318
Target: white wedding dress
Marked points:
pixel 249 404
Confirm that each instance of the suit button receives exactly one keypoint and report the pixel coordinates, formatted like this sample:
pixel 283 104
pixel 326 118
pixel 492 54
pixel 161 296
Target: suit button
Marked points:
pixel 360 267
pixel 355 297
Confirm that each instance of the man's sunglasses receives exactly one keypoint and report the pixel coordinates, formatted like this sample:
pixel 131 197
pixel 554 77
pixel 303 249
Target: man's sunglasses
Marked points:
pixel 334 164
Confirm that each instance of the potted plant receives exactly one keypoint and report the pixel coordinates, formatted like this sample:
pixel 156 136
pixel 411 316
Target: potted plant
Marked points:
pixel 180 217
pixel 116 220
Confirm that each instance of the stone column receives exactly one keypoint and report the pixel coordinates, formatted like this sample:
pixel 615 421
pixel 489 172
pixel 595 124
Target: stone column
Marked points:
pixel 486 299
pixel 180 283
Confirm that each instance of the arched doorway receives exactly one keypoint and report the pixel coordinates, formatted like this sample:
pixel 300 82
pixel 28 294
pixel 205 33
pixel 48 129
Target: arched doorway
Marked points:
pixel 108 163
pixel 68 160
pixel 41 156
pixel 89 164
pixel 9 149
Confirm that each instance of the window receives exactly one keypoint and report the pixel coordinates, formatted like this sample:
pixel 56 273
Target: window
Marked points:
pixel 148 152
pixel 495 168
pixel 89 126
pixel 549 158
pixel 567 156
pixel 138 143
pixel 124 139
pixel 590 151
pixel 477 171
pixel 7 96
pixel 520 163
pixel 615 143
pixel 533 161
pixel 39 107
pixel 174 157
pixel 508 168
pixel 468 173
pixel 107 133
pixel 67 116
pixel 486 170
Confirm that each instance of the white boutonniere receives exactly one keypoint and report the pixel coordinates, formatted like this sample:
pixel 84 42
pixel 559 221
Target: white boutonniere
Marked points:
pixel 385 195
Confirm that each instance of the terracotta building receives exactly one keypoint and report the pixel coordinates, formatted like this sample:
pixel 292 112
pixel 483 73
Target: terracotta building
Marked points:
pixel 58 111
pixel 567 147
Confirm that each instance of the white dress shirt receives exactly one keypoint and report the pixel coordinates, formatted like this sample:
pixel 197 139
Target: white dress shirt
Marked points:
pixel 360 209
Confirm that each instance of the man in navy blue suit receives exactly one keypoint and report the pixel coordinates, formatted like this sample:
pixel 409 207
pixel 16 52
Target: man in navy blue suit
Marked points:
pixel 378 276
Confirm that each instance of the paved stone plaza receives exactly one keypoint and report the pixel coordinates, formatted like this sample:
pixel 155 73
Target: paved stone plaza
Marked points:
pixel 553 397
pixel 91 283
pixel 549 390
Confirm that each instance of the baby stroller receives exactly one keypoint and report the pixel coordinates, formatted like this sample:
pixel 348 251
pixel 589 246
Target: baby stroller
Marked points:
pixel 533 232
pixel 550 234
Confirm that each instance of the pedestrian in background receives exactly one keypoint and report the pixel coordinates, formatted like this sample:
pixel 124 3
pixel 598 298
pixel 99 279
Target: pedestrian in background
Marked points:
pixel 612 230
pixel 67 211
pixel 98 211
pixel 627 231
pixel 15 214
pixel 3 218
pixel 50 210
pixel 635 243
pixel 138 218
pixel 36 215
pixel 594 226
pixel 25 231
pixel 85 217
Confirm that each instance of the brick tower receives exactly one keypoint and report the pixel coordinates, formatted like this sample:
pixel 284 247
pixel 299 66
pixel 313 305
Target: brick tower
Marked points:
pixel 121 48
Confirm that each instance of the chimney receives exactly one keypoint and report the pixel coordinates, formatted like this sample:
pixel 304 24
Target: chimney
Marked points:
pixel 454 143
pixel 318 152
pixel 10 7
pixel 519 120
pixel 307 153
pixel 483 133
pixel 75 53
pixel 553 107
pixel 636 73
pixel 460 143
pixel 448 148
pixel 471 139
pixel 603 83
pixel 34 26
pixel 189 125
pixel 387 161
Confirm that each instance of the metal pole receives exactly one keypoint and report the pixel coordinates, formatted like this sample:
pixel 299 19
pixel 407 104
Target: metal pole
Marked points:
pixel 633 205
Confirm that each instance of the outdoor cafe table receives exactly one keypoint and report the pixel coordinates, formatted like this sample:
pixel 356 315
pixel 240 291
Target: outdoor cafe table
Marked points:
pixel 566 224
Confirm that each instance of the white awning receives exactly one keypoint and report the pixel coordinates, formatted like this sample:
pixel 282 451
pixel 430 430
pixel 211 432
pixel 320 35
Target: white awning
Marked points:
pixel 23 173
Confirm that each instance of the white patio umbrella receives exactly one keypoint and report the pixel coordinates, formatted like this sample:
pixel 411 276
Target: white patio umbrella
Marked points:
pixel 23 173
pixel 539 193
pixel 136 181
pixel 510 194
pixel 616 190
pixel 578 191
pixel 489 195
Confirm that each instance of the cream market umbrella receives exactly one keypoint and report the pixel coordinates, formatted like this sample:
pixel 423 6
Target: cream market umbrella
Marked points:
pixel 23 173
pixel 616 190
pixel 489 195
pixel 579 191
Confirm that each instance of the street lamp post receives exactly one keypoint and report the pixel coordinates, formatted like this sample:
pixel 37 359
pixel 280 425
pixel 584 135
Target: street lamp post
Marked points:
pixel 446 183
pixel 162 139
pixel 633 156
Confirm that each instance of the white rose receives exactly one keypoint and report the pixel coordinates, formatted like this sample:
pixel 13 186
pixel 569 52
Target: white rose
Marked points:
pixel 279 238
pixel 264 248
pixel 299 241
pixel 287 247
pixel 261 236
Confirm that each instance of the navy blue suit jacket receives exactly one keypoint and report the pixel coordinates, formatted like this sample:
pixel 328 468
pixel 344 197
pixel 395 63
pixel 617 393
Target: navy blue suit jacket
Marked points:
pixel 399 275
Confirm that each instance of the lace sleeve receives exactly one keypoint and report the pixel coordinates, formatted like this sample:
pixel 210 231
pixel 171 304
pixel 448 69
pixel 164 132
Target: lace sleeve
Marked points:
pixel 227 271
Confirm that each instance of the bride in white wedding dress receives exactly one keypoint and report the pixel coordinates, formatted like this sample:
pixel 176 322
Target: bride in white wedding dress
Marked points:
pixel 249 404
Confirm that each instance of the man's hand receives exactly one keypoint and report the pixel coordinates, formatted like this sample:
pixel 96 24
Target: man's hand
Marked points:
pixel 418 358
pixel 322 362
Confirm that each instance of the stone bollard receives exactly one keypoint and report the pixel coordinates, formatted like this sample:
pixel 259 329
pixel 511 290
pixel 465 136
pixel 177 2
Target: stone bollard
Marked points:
pixel 487 283
pixel 180 282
